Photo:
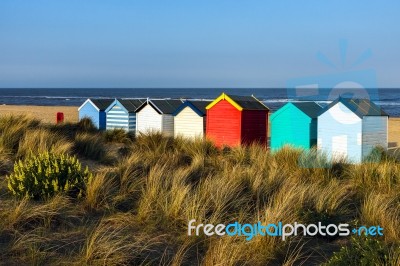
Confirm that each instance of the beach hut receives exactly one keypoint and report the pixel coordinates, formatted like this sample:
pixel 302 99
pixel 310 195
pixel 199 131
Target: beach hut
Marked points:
pixel 295 124
pixel 351 128
pixel 94 109
pixel 190 119
pixel 233 120
pixel 121 114
pixel 156 116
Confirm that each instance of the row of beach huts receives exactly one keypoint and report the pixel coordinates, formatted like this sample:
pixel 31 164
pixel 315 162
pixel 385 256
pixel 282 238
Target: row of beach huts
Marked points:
pixel 346 128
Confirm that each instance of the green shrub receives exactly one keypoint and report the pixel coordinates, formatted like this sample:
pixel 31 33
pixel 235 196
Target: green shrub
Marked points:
pixel 362 251
pixel 42 176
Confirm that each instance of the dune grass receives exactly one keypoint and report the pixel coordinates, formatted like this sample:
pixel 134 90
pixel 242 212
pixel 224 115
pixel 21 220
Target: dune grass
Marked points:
pixel 145 189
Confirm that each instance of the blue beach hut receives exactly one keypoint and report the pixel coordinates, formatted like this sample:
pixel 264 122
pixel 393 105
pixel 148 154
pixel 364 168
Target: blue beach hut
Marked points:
pixel 94 109
pixel 121 114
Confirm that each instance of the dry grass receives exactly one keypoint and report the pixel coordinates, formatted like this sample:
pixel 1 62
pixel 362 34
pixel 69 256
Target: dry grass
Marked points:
pixel 141 197
pixel 41 140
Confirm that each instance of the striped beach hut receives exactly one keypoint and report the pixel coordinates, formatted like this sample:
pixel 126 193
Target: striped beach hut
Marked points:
pixel 233 120
pixel 94 109
pixel 351 129
pixel 121 114
pixel 190 119
pixel 157 116
pixel 295 124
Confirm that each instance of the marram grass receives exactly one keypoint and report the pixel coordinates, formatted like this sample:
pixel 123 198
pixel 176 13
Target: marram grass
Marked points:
pixel 144 190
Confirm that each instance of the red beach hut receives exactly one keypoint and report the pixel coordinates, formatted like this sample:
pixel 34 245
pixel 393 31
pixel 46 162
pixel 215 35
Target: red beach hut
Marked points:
pixel 234 120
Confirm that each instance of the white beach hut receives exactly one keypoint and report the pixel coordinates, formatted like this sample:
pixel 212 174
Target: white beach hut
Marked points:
pixel 351 129
pixel 156 116
pixel 190 119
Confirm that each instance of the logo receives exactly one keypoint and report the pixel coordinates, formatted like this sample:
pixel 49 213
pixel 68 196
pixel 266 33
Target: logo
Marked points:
pixel 249 231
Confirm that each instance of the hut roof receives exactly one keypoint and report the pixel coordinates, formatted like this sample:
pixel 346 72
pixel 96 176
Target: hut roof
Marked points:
pixel 164 106
pixel 198 106
pixel 132 105
pixel 312 109
pixel 240 102
pixel 361 107
pixel 100 104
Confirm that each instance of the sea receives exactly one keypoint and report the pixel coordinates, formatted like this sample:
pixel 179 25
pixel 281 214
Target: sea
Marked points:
pixel 274 98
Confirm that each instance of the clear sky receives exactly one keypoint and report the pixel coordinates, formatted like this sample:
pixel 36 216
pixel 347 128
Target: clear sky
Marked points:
pixel 183 43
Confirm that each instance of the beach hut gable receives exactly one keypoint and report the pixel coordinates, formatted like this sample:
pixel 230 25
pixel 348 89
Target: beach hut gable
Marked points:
pixel 116 103
pixel 240 102
pixel 225 97
pixel 153 106
pixel 199 109
pixel 88 101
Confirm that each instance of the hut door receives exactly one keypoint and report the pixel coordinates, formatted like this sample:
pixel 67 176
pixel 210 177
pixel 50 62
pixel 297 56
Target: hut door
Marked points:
pixel 339 146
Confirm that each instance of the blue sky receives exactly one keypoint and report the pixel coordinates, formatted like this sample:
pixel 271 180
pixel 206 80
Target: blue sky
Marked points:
pixel 220 43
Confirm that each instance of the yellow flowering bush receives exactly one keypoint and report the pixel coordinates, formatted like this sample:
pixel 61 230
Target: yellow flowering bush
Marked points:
pixel 43 175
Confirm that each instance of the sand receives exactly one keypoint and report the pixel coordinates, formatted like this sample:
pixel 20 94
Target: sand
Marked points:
pixel 48 115
pixel 394 132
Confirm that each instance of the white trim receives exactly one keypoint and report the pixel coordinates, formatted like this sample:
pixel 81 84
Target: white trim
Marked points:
pixel 154 106
pixel 117 116
pixel 114 120
pixel 88 100
pixel 118 124
pixel 116 112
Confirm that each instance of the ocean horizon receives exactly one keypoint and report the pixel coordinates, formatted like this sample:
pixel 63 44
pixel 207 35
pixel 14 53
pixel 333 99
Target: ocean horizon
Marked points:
pixel 274 98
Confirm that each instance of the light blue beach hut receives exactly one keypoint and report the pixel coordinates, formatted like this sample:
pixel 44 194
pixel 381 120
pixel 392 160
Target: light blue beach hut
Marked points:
pixel 351 128
pixel 94 109
pixel 121 114
pixel 295 124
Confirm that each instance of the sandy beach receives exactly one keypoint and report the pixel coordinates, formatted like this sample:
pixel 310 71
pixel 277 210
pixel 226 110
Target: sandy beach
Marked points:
pixel 47 114
pixel 394 132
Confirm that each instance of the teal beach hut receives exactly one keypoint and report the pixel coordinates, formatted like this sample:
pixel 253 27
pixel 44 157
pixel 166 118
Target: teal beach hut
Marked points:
pixel 121 114
pixel 94 109
pixel 295 124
